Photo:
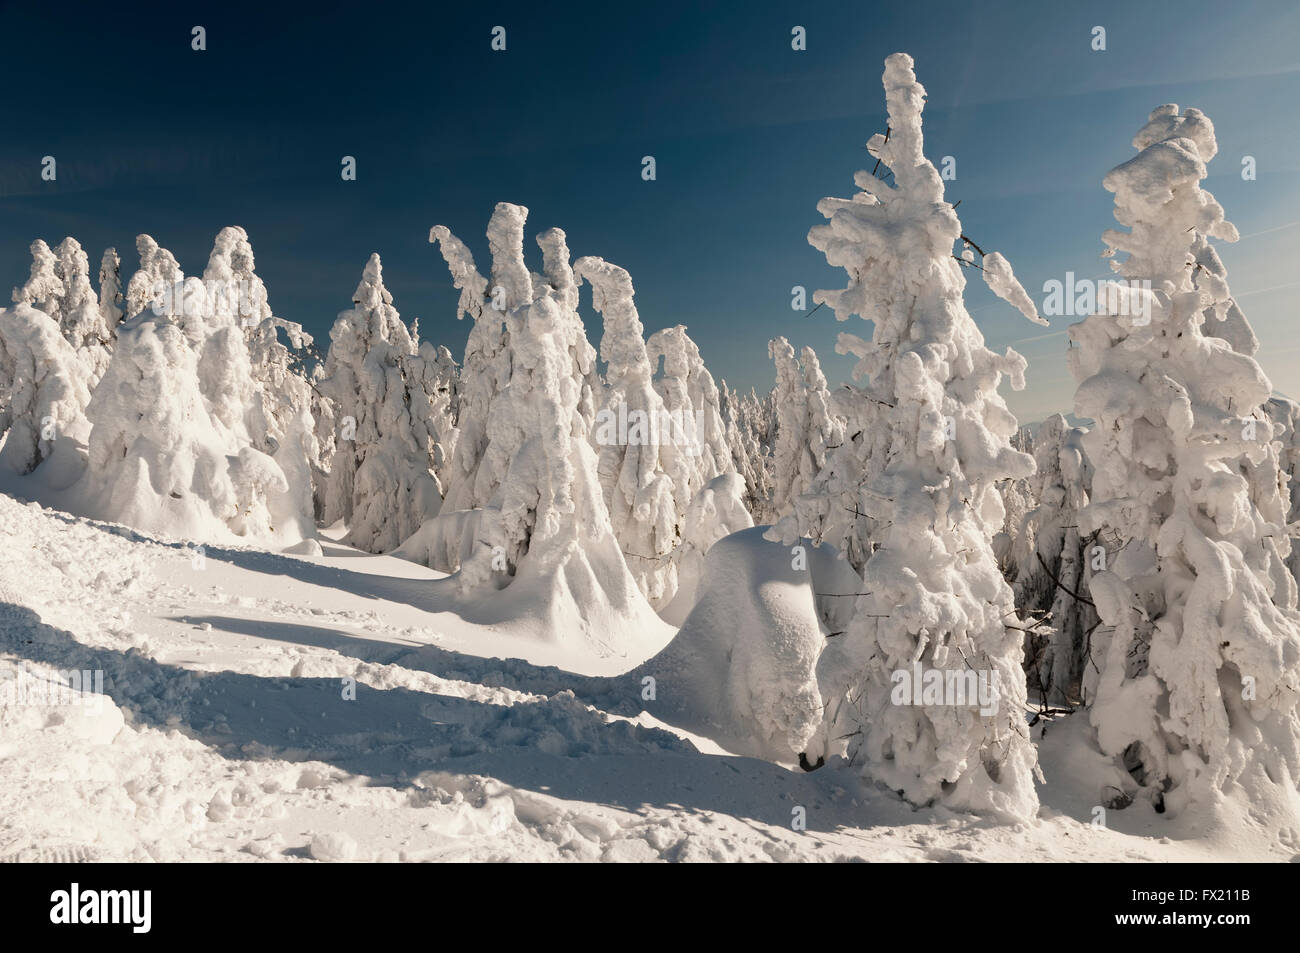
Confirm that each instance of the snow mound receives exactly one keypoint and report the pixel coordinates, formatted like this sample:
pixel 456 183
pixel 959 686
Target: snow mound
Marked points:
pixel 742 669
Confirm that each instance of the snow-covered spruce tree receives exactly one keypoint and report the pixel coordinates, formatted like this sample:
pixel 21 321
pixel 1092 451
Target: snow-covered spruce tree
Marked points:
pixel 277 410
pixel 43 389
pixel 158 275
pixel 1199 653
pixel 1053 563
pixel 110 290
pixel 633 462
pixel 545 535
pixel 435 406
pixel 43 289
pixel 81 320
pixel 690 397
pixel 380 481
pixel 1285 414
pixel 933 440
pixel 60 286
pixel 1018 498
pixel 745 431
pixel 806 429
pixel 158 459
pixel 486 366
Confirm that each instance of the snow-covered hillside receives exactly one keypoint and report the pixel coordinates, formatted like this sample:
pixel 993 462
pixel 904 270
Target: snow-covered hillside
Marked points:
pixel 225 733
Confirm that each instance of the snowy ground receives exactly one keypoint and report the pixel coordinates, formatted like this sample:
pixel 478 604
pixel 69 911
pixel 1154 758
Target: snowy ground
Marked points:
pixel 226 734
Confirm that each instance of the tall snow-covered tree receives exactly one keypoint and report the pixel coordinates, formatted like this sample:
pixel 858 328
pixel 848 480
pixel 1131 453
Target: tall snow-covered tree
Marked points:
pixel 1199 652
pixel 278 408
pixel 380 482
pixel 1053 562
pixel 110 290
pixel 81 320
pixel 159 460
pixel 487 351
pixel 806 429
pixel 690 397
pixel 932 439
pixel 638 474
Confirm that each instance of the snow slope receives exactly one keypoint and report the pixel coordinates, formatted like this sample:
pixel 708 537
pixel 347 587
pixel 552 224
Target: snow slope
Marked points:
pixel 225 734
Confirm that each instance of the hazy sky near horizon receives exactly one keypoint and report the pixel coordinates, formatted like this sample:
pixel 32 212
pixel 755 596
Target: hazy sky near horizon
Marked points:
pixel 152 136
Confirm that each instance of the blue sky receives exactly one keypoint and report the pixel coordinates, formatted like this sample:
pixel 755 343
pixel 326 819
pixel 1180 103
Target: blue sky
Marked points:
pixel 151 136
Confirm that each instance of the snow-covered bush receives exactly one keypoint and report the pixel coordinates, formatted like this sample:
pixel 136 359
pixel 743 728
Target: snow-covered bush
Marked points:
pixel 1199 652
pixel 929 438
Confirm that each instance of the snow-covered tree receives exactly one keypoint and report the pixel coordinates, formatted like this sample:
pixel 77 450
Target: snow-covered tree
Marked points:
pixel 380 482
pixel 806 428
pixel 158 459
pixel 81 320
pixel 158 274
pixel 1199 651
pixel 930 437
pixel 543 533
pixel 43 389
pixel 487 351
pixel 640 474
pixel 276 405
pixel 1053 565
pixel 43 289
pixel 60 286
pixel 110 290
pixel 691 397
pixel 1285 415
pixel 747 427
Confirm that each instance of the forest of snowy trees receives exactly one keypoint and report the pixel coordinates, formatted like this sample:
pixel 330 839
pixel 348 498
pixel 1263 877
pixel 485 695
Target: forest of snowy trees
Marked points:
pixel 1130 567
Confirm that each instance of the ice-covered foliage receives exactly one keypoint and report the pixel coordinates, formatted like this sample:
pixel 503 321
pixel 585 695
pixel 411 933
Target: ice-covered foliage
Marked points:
pixel 929 438
pixel 1199 653
pixel 639 468
pixel 43 392
pixel 381 482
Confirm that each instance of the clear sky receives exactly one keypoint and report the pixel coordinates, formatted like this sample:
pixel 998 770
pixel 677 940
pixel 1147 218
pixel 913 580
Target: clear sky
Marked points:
pixel 151 136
